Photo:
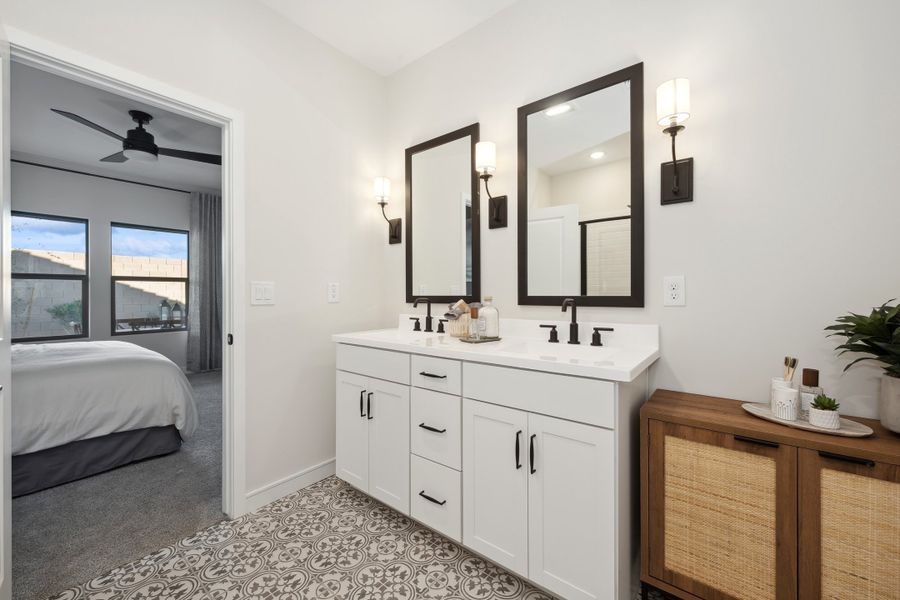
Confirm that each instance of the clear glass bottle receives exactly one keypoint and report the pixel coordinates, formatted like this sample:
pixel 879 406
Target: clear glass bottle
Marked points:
pixel 490 317
pixel 474 330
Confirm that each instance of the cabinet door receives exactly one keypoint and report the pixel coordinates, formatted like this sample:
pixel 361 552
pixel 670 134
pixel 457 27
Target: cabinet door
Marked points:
pixel 389 444
pixel 352 430
pixel 571 508
pixel 849 528
pixel 495 495
pixel 722 514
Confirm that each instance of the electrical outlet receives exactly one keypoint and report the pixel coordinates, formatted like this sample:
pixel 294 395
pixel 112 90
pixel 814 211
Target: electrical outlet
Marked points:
pixel 673 290
pixel 333 292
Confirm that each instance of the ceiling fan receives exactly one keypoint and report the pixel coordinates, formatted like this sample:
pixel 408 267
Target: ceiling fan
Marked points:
pixel 138 142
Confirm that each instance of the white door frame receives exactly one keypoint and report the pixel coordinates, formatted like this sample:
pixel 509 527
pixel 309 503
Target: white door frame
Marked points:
pixel 48 56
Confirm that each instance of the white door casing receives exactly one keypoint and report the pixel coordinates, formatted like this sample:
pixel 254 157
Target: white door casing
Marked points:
pixel 6 332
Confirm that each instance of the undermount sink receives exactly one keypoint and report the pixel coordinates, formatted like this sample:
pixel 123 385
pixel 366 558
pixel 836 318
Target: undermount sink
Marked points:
pixel 562 351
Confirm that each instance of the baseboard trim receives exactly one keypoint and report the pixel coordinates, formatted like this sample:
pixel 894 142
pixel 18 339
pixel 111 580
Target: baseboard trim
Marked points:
pixel 288 485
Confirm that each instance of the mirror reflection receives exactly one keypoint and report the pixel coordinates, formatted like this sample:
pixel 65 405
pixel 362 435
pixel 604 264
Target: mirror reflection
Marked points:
pixel 579 196
pixel 440 181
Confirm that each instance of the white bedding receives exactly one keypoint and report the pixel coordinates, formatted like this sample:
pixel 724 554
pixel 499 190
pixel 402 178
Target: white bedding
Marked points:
pixel 73 391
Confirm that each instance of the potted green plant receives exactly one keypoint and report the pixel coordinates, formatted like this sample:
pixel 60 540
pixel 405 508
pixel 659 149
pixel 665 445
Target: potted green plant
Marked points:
pixel 877 336
pixel 823 412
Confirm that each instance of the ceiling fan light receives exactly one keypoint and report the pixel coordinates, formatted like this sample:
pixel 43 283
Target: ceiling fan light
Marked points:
pixel 135 154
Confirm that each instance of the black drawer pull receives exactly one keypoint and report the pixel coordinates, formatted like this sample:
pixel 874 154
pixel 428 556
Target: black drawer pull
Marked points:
pixel 432 375
pixel 429 428
pixel 531 454
pixel 850 459
pixel 750 440
pixel 518 462
pixel 430 499
pixel 361 411
pixel 369 405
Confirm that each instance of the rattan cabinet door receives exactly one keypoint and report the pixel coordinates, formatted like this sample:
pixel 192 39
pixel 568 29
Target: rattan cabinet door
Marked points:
pixel 849 528
pixel 722 514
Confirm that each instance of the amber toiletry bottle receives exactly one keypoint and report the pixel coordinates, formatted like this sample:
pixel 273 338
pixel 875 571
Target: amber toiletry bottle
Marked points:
pixel 809 389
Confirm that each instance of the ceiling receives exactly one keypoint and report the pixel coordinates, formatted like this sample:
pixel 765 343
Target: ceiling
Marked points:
pixel 386 35
pixel 43 136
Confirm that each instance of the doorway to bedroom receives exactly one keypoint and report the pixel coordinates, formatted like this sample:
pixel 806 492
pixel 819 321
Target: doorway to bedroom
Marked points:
pixel 117 328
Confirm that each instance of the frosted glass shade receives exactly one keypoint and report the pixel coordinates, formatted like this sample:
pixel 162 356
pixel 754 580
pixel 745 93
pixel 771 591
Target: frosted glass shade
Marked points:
pixel 673 102
pixel 382 189
pixel 485 157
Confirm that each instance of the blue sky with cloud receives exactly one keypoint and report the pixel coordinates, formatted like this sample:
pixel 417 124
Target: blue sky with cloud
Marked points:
pixel 31 233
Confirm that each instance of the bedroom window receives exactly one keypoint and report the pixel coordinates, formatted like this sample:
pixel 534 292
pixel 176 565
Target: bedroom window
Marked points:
pixel 149 279
pixel 49 277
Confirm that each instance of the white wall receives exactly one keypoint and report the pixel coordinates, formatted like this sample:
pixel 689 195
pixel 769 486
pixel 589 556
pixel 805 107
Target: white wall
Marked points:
pixel 101 202
pixel 794 135
pixel 600 192
pixel 313 130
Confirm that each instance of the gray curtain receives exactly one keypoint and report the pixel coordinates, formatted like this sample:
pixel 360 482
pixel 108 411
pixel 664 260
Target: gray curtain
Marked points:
pixel 205 295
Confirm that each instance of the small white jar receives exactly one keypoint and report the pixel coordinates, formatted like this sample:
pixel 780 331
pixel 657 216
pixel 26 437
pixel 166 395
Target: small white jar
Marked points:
pixel 826 419
pixel 786 403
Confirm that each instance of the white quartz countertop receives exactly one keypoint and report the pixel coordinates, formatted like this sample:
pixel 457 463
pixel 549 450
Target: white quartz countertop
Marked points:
pixel 626 353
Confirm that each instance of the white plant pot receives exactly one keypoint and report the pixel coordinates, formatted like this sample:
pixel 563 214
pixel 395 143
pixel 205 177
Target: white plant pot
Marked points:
pixel 889 403
pixel 826 419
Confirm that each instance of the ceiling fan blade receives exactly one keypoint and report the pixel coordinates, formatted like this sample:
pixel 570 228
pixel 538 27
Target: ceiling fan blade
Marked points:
pixel 118 157
pixel 213 159
pixel 90 124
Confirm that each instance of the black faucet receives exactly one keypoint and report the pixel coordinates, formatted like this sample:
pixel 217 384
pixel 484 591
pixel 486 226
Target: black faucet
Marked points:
pixel 573 326
pixel 428 318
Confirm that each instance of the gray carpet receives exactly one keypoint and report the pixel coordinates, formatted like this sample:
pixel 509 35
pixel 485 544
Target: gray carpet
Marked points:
pixel 72 533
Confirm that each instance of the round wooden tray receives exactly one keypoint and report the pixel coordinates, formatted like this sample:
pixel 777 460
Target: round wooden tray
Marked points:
pixel 848 428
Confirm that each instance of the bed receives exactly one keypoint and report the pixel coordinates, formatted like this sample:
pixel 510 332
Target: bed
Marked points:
pixel 81 408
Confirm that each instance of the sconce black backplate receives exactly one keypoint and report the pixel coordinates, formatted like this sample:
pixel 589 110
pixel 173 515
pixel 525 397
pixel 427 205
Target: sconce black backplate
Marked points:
pixel 394 229
pixel 685 182
pixel 497 212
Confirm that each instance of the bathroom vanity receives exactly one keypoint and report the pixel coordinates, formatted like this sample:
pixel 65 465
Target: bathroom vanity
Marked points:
pixel 522 450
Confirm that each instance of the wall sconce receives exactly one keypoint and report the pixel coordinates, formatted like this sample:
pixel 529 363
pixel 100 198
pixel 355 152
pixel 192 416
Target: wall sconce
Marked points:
pixel 486 164
pixel 673 107
pixel 382 193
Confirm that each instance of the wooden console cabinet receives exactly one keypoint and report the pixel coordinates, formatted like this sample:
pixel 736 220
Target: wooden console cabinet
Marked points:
pixel 737 508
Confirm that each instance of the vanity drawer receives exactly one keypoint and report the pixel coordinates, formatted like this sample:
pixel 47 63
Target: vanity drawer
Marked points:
pixel 443 511
pixel 380 364
pixel 439 374
pixel 591 401
pixel 435 410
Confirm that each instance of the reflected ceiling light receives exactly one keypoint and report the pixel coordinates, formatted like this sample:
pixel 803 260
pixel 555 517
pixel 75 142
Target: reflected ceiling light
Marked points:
pixel 382 188
pixel 597 155
pixel 673 107
pixel 559 109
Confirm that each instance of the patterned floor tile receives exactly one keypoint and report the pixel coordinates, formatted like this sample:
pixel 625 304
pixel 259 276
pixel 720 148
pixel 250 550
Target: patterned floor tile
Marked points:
pixel 325 541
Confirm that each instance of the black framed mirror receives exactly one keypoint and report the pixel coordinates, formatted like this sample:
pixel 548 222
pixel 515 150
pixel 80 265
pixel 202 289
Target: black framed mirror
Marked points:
pixel 581 194
pixel 443 250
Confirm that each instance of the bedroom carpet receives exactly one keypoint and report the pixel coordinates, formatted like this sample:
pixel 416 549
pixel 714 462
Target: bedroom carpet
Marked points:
pixel 327 541
pixel 74 532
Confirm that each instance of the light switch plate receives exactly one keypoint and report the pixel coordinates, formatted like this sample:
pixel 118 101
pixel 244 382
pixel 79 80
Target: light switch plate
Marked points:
pixel 673 290
pixel 262 293
pixel 333 292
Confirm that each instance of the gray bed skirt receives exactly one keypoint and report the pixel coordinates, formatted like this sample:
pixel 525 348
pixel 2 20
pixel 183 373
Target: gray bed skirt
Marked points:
pixel 44 469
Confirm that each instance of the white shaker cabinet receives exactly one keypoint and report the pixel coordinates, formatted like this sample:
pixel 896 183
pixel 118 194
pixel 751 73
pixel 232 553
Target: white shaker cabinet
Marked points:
pixel 372 437
pixel 495 493
pixel 571 508
pixel 527 459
